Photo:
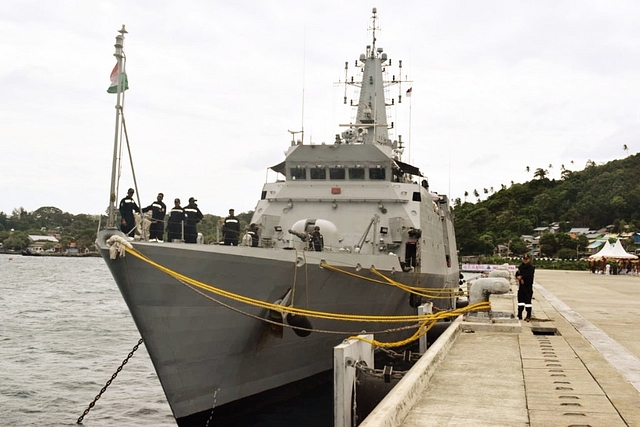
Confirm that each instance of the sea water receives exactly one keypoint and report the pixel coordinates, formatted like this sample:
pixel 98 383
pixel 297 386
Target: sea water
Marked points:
pixel 65 329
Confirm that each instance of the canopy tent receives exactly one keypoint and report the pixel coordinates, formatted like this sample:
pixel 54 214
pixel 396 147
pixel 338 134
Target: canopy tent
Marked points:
pixel 604 252
pixel 619 252
pixel 609 251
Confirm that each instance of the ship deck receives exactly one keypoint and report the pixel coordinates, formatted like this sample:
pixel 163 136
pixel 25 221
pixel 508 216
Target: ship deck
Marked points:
pixel 576 363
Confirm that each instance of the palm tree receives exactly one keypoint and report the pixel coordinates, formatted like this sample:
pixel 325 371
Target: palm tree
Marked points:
pixel 540 173
pixel 466 194
pixel 625 148
pixel 527 169
pixel 475 193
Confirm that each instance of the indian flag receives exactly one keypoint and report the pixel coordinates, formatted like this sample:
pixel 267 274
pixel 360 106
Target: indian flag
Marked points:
pixel 113 88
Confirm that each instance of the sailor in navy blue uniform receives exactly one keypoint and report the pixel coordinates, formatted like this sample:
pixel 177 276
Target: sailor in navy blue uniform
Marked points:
pixel 176 222
pixel 127 207
pixel 192 216
pixel 231 229
pixel 524 275
pixel 253 234
pixel 316 240
pixel 158 211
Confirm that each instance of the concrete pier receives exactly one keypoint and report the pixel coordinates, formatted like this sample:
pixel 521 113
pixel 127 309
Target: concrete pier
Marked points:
pixel 576 364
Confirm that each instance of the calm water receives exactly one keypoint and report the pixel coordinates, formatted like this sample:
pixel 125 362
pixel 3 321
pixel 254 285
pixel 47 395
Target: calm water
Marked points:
pixel 65 329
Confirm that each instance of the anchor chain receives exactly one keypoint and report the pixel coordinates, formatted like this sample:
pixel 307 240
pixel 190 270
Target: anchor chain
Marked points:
pixel 115 374
pixel 215 394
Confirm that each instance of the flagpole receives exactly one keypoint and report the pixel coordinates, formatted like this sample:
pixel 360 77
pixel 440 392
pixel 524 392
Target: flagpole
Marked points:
pixel 409 142
pixel 116 141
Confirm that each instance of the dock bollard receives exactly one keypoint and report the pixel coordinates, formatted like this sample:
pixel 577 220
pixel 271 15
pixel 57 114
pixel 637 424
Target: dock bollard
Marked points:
pixel 426 308
pixel 345 357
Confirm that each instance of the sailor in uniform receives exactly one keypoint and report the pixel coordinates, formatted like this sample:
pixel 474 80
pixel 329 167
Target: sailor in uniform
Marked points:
pixel 524 275
pixel 158 210
pixel 231 229
pixel 192 216
pixel 176 222
pixel 127 207
pixel 253 238
pixel 316 241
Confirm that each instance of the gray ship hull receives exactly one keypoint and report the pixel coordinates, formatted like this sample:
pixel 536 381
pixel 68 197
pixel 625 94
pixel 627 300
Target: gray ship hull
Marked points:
pixel 211 347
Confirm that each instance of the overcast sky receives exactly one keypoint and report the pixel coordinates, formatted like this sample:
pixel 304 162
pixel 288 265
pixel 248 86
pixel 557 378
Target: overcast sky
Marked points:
pixel 216 85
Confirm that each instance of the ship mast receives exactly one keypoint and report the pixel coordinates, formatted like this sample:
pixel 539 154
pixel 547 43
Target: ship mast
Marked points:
pixel 371 125
pixel 372 111
pixel 119 54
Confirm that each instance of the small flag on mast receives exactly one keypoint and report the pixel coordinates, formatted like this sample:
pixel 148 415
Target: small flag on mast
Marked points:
pixel 113 88
pixel 409 91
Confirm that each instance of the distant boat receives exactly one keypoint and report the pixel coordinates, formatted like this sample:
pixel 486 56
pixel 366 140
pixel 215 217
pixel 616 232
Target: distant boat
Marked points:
pixel 29 252
pixel 207 313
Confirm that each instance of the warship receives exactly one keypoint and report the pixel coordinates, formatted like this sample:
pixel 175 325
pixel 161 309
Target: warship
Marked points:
pixel 227 324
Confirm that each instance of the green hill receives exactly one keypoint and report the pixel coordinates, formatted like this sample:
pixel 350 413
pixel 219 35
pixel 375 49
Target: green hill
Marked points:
pixel 596 197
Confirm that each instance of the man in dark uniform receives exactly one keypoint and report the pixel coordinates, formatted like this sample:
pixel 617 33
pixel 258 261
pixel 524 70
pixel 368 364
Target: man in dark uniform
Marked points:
pixel 316 241
pixel 192 216
pixel 127 207
pixel 176 222
pixel 524 275
pixel 253 233
pixel 231 229
pixel 158 211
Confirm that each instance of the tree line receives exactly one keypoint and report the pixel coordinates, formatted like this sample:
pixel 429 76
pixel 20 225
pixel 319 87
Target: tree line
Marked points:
pixel 600 196
pixel 80 229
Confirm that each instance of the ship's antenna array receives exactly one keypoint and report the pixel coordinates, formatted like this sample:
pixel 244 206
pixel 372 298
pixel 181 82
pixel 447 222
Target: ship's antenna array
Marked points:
pixel 371 123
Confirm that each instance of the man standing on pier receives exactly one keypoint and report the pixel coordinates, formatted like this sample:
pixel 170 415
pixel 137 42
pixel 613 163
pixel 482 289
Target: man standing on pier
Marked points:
pixel 524 275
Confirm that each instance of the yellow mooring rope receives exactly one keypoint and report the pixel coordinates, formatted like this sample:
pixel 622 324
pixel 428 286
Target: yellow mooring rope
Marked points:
pixel 444 293
pixel 426 321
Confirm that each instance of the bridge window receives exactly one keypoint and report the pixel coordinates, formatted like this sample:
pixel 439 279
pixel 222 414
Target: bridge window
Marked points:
pixel 356 173
pixel 318 173
pixel 337 173
pixel 377 173
pixel 298 173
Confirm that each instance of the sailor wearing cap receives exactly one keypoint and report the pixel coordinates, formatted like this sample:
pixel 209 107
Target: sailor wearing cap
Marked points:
pixel 231 229
pixel 192 216
pixel 524 275
pixel 176 222
pixel 127 207
pixel 158 211
pixel 316 241
pixel 253 236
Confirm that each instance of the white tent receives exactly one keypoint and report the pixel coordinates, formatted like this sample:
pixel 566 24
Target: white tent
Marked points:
pixel 618 252
pixel 609 251
pixel 605 252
